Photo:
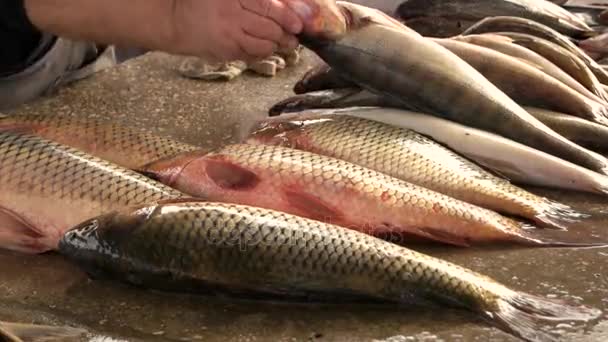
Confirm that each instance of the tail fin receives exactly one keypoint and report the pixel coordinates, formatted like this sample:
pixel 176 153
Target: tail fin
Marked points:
pixel 38 333
pixel 522 314
pixel 555 238
pixel 557 215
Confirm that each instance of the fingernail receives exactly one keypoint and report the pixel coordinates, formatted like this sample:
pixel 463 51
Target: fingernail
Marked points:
pixel 301 8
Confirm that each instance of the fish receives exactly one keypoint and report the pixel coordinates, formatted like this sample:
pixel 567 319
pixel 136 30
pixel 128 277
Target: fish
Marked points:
pixel 119 144
pixel 224 248
pixel 48 187
pixel 503 156
pixel 439 27
pixel 320 77
pixel 331 98
pixel 505 45
pixel 526 84
pixel 561 57
pixel 581 131
pixel 597 44
pixel 333 190
pixel 394 63
pixel 414 158
pixel 521 25
pixel 20 332
pixel 540 11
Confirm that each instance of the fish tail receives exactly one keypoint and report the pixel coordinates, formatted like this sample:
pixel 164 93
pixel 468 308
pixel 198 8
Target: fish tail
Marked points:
pixel 523 315
pixel 557 215
pixel 33 332
pixel 530 235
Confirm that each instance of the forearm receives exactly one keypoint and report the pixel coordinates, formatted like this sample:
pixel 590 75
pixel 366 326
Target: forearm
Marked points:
pixel 143 23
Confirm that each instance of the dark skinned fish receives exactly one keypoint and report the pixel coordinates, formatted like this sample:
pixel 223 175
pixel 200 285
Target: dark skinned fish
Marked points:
pixel 119 144
pixel 394 63
pixel 236 249
pixel 505 45
pixel 521 25
pixel 561 57
pixel 537 10
pixel 526 84
pixel 583 132
pixel 48 187
pixel 411 157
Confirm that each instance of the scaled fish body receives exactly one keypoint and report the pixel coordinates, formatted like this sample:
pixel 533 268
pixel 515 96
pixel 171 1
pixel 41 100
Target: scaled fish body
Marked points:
pixel 242 249
pixel 561 57
pixel 537 10
pixel 411 157
pixel 48 187
pixel 526 84
pixel 504 156
pixel 333 190
pixel 394 63
pixel 581 131
pixel 506 46
pixel 118 144
pixel 521 25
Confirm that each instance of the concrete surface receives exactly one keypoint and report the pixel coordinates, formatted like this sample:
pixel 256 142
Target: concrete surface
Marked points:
pixel 146 92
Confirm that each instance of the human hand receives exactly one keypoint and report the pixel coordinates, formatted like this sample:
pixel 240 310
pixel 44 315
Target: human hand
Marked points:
pixel 224 30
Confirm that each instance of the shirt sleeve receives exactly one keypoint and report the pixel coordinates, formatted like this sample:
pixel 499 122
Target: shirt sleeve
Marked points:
pixel 19 39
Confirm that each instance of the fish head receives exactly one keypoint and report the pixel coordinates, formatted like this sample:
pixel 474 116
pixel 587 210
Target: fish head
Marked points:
pixel 89 243
pixel 358 16
pixel 324 22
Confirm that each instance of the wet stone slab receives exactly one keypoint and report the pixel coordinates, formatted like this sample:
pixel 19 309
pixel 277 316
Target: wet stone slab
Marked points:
pixel 147 92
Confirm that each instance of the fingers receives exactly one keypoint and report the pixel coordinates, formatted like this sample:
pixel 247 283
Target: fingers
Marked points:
pixel 254 47
pixel 277 11
pixel 266 29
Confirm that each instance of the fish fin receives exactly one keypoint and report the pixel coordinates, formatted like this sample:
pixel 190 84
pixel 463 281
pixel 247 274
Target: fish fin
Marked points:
pixel 39 333
pixel 555 215
pixel 443 236
pixel 523 314
pixel 553 238
pixel 167 169
pixel 228 175
pixel 17 234
pixel 312 206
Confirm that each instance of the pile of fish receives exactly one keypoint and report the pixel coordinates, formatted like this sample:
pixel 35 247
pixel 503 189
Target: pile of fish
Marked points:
pixel 398 137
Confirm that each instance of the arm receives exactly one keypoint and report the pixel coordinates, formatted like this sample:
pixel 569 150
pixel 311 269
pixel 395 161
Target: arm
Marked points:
pixel 217 29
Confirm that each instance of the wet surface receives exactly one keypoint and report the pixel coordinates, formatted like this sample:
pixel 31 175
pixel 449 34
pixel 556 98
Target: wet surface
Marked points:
pixel 147 92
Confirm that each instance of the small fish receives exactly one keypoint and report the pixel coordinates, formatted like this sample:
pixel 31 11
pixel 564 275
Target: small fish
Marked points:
pixel 504 156
pixel 521 25
pixel 48 187
pixel 394 63
pixel 581 131
pixel 119 144
pixel 333 190
pixel 597 44
pixel 332 98
pixel 235 249
pixel 505 45
pixel 561 57
pixel 526 84
pixel 320 77
pixel 537 10
pixel 20 332
pixel 411 157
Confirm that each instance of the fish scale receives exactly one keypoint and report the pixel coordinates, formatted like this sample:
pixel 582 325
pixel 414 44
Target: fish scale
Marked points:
pixel 412 157
pixel 47 187
pixel 243 249
pixel 119 144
